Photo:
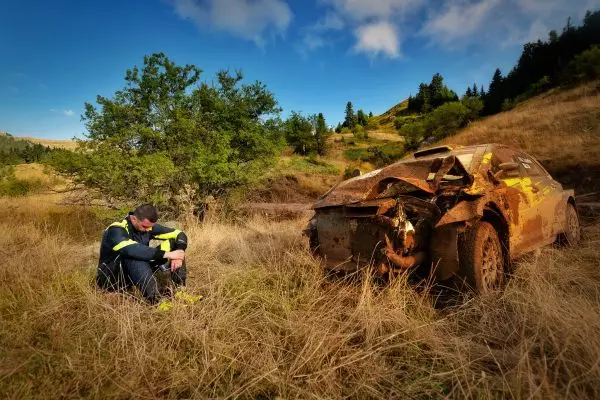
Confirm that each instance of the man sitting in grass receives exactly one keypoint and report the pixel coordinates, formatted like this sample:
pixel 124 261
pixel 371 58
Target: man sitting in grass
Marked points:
pixel 127 259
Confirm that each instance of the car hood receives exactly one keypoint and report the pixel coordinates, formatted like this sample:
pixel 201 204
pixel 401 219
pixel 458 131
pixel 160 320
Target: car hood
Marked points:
pixel 407 176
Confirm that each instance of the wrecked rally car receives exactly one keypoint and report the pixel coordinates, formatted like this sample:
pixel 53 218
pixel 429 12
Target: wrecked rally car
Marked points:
pixel 460 214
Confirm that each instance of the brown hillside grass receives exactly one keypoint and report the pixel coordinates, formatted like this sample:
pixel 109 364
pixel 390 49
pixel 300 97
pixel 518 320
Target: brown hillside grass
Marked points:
pixel 272 326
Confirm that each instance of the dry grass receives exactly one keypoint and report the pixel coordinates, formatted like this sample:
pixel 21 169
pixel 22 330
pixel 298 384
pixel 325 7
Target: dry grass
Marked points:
pixel 272 325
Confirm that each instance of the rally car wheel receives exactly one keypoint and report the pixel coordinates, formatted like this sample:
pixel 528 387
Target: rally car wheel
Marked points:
pixel 481 258
pixel 572 230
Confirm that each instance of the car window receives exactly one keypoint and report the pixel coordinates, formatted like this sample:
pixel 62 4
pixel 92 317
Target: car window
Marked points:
pixel 529 166
pixel 502 155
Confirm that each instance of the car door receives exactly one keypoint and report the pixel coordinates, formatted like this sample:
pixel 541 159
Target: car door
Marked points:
pixel 548 197
pixel 523 199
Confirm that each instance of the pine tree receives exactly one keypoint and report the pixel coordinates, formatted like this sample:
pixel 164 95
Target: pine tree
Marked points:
pixel 321 135
pixel 496 94
pixel 361 118
pixel 370 114
pixel 350 121
pixel 474 90
pixel 468 93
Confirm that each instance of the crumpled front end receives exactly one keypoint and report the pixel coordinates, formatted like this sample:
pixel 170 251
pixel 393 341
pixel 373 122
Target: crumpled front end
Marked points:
pixel 388 218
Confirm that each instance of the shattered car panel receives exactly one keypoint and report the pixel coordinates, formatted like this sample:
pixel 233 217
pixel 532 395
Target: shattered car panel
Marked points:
pixel 413 212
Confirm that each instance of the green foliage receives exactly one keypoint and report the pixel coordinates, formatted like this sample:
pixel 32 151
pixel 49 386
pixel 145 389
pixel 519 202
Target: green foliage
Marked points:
pixel 338 128
pixel 10 186
pixel 312 165
pixel 544 65
pixel 441 122
pixel 13 151
pixel 321 135
pixel 164 130
pixel 584 67
pixel 65 161
pixel 475 106
pixel 7 173
pixel 350 120
pixel 359 132
pixel 298 131
pixel 372 124
pixel 361 118
pixel 377 155
pixel 17 187
pixel 307 134
pixel 431 96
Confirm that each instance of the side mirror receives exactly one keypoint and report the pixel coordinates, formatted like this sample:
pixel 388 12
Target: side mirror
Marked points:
pixel 508 166
pixel 505 168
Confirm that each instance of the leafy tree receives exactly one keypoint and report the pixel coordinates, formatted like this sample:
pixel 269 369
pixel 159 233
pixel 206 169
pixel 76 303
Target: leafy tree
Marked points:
pixel 298 131
pixel 370 114
pixel 350 120
pixel 164 130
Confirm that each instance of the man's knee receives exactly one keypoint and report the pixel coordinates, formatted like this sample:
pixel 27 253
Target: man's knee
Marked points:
pixel 141 274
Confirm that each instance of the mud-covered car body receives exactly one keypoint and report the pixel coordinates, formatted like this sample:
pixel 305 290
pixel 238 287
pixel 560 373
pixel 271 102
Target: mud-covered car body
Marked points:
pixel 414 212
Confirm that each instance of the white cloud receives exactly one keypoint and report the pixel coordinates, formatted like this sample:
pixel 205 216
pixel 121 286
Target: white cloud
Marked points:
pixel 331 22
pixel 67 113
pixel 248 19
pixel 378 38
pixel 458 21
pixel 361 10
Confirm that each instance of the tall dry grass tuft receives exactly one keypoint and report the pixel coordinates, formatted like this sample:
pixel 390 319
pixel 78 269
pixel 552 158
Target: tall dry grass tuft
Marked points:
pixel 272 325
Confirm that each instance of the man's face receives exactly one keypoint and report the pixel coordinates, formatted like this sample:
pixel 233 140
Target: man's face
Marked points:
pixel 141 225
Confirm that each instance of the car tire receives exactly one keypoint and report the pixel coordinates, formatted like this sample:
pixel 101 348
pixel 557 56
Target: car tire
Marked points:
pixel 481 258
pixel 571 235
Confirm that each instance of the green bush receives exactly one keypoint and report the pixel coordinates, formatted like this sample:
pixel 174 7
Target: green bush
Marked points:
pixel 16 187
pixel 312 165
pixel 7 173
pixel 441 122
pixel 584 67
pixel 377 155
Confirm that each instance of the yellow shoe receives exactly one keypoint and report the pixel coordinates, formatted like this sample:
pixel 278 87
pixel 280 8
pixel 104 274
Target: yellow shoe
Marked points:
pixel 182 295
pixel 165 306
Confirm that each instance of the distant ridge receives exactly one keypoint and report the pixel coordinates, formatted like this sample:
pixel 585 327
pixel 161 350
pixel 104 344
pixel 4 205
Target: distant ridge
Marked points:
pixel 57 143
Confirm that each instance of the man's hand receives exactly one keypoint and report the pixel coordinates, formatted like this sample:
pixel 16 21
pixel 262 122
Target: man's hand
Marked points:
pixel 176 264
pixel 175 255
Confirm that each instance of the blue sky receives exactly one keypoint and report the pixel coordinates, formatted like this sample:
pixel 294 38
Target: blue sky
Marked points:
pixel 314 55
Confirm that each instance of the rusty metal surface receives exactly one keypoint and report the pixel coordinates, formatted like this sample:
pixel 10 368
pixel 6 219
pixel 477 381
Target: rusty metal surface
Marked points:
pixel 412 212
pixel 364 187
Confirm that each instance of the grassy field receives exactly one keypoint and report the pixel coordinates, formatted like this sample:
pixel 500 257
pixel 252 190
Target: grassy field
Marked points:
pixel 273 326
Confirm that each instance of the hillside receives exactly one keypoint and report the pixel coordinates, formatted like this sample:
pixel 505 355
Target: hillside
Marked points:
pixel 63 144
pixel 386 120
pixel 273 326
